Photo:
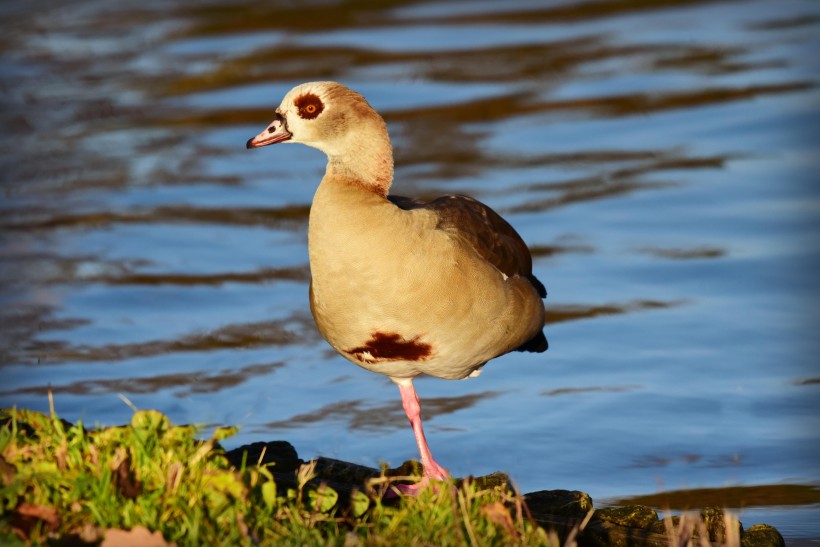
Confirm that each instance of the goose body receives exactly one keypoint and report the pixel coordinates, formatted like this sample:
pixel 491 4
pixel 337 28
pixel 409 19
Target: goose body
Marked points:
pixel 398 286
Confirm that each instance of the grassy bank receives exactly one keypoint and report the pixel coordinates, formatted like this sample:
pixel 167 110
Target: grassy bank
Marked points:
pixel 154 483
pixel 61 480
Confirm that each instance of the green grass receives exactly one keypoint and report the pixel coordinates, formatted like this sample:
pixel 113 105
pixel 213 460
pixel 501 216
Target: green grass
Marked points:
pixel 63 481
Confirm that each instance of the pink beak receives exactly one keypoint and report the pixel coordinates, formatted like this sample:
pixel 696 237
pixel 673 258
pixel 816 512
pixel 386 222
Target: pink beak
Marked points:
pixel 275 132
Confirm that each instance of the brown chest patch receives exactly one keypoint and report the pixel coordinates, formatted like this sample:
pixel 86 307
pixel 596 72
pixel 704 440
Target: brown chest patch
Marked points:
pixel 385 346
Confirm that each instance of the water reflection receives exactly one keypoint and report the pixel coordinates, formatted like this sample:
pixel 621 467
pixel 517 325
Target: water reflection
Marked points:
pixel 363 416
pixel 662 461
pixel 562 313
pixel 720 461
pixel 559 248
pixel 292 330
pixel 299 273
pixel 291 217
pixel 684 254
pixel 808 381
pixel 182 384
pixel 593 389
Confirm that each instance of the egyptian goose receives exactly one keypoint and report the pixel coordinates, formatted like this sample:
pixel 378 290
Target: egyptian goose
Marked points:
pixel 402 287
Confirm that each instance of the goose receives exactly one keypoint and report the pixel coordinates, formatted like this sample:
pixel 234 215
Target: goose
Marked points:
pixel 399 286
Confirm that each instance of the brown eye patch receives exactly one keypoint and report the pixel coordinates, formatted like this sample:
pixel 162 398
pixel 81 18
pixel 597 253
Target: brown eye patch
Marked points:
pixel 309 106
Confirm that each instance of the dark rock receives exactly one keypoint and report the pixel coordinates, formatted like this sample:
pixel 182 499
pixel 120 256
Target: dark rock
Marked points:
pixel 280 453
pixel 572 503
pixel 338 471
pixel 762 535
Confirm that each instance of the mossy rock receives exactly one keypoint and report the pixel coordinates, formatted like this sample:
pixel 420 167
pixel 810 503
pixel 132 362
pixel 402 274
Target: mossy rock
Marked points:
pixel 633 516
pixel 762 535
pixel 715 520
pixel 497 480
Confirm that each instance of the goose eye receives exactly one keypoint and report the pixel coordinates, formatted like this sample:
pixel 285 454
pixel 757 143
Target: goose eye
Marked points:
pixel 309 106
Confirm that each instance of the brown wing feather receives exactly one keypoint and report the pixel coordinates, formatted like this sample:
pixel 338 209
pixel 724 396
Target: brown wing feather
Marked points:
pixel 488 234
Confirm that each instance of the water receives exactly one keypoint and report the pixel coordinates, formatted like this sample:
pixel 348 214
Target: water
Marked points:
pixel 661 161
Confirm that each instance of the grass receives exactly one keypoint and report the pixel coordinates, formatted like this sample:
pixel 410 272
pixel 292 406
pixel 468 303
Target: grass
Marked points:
pixel 62 481
pixel 156 484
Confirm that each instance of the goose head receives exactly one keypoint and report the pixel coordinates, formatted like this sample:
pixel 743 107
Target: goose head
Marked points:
pixel 339 122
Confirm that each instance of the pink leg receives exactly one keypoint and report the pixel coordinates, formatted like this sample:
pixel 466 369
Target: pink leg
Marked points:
pixel 432 470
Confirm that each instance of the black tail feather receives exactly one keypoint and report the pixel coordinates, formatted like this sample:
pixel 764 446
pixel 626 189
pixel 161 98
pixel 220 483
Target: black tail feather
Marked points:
pixel 536 344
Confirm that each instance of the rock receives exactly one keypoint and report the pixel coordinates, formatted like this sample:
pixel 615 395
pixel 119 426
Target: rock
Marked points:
pixel 715 520
pixel 562 510
pixel 280 453
pixel 571 503
pixel 762 535
pixel 493 480
pixel 338 471
pixel 633 516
